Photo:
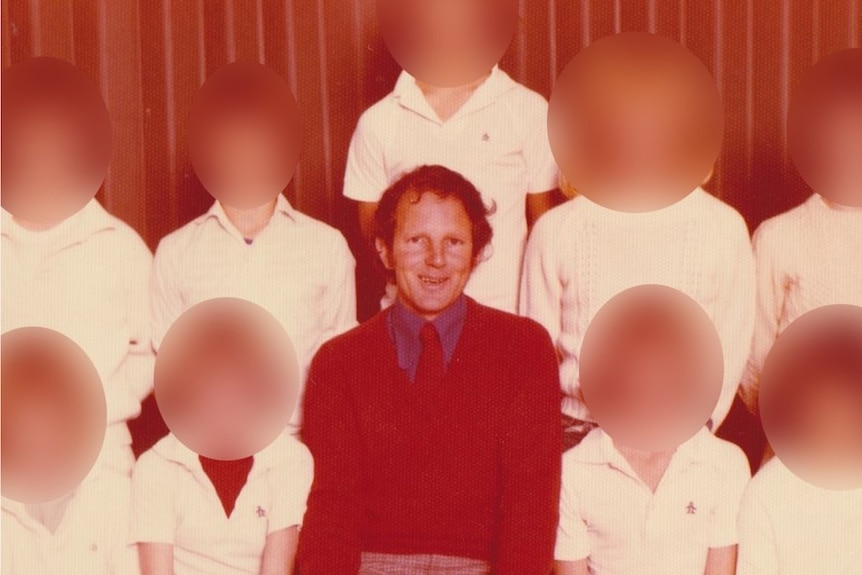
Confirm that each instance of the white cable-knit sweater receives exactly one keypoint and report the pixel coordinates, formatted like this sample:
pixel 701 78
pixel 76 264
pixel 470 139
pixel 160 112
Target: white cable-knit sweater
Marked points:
pixel 580 255
pixel 807 257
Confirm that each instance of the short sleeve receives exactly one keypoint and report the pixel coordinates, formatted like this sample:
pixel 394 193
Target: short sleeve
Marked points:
pixel 291 483
pixel 732 482
pixel 573 541
pixel 365 175
pixel 542 171
pixel 757 552
pixel 153 516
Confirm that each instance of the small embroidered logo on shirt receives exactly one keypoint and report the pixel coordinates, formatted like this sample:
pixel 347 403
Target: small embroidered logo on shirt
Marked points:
pixel 485 137
pixel 261 512
pixel 690 509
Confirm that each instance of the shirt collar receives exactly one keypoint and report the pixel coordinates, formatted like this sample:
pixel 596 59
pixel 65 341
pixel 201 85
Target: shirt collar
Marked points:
pixel 598 448
pixel 216 211
pixel 174 450
pixel 90 220
pixel 406 325
pixel 408 94
pixel 20 509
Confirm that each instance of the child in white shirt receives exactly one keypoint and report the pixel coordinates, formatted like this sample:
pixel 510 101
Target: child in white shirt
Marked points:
pixel 181 524
pixel 84 533
pixel 492 130
pixel 802 512
pixel 581 254
pixel 83 273
pixel 651 491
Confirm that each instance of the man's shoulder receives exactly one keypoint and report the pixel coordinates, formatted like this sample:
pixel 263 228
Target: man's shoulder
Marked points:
pixel 356 342
pixel 504 325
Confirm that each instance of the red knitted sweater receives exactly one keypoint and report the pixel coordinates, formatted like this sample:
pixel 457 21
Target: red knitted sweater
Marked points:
pixel 468 468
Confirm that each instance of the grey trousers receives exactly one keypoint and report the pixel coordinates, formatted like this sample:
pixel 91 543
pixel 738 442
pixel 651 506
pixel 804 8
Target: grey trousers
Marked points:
pixel 388 564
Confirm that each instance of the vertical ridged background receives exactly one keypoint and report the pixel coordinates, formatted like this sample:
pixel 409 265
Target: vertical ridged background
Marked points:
pixel 150 56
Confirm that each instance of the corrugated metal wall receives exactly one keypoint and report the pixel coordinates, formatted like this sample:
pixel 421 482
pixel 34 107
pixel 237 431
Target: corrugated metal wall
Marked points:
pixel 150 56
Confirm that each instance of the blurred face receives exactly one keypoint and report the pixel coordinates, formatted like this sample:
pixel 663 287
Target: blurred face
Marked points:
pixel 447 43
pixel 635 122
pixel 226 378
pixel 228 396
pixel 431 252
pixel 56 138
pixel 831 430
pixel 841 153
pixel 53 415
pixel 242 155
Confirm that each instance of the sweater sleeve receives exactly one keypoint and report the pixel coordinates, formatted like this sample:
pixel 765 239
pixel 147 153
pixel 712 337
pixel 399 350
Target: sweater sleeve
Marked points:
pixel 329 542
pixel 771 292
pixel 734 313
pixel 531 461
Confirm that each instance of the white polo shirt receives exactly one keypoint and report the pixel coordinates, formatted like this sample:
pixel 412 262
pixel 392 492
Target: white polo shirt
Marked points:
pixel 87 278
pixel 175 502
pixel 789 527
pixel 91 538
pixel 806 258
pixel 299 269
pixel 608 514
pixel 581 254
pixel 498 140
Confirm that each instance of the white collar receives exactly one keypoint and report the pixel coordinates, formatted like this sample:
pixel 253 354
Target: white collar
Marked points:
pixel 172 449
pixel 408 94
pixel 90 220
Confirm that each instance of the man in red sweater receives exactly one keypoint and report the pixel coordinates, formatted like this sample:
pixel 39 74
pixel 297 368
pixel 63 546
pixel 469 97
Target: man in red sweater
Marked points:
pixel 433 425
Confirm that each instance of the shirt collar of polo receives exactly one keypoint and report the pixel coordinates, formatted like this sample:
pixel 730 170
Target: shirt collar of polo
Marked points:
pixel 598 448
pixel 90 220
pixel 19 510
pixel 409 95
pixel 217 213
pixel 406 326
pixel 175 451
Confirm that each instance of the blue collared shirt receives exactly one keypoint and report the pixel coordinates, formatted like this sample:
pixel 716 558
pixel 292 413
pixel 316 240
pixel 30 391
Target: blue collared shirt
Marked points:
pixel 404 327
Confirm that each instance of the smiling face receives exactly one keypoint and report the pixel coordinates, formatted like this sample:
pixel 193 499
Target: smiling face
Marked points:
pixel 431 253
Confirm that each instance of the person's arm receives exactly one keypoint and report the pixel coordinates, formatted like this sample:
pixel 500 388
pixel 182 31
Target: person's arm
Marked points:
pixel 153 518
pixel 769 313
pixel 580 567
pixel 365 175
pixel 721 561
pixel 329 540
pixel 543 176
pixel 339 304
pixel 539 203
pixel 734 312
pixel 279 552
pixel 734 477
pixel 292 478
pixel 530 460
pixel 156 558
pixel 757 547
pixel 541 294
pixel 166 303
